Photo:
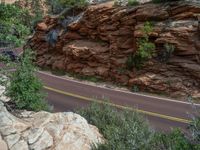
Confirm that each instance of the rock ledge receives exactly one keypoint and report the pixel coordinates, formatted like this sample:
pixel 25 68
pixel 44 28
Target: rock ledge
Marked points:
pixel 46 131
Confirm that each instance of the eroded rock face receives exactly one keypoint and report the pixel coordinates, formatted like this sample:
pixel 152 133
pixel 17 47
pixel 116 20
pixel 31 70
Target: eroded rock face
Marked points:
pixel 101 40
pixel 43 130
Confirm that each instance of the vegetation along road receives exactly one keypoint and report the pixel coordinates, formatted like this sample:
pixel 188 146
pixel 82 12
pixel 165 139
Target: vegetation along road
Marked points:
pixel 163 114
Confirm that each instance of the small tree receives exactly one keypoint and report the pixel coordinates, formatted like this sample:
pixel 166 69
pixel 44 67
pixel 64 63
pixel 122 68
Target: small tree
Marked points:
pixel 76 3
pixel 13 27
pixel 25 88
pixel 145 51
pixel 133 2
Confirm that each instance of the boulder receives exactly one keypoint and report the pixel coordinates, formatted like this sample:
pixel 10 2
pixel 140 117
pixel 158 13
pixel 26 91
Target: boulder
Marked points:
pixel 43 130
pixel 3 145
pixel 42 26
pixel 22 145
pixel 2 96
pixel 44 141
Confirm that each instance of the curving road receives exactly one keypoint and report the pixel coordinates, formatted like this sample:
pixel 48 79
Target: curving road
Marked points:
pixel 163 114
pixel 66 95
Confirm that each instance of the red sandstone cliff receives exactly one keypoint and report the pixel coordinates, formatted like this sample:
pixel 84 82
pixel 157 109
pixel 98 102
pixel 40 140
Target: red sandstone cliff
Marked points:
pixel 101 41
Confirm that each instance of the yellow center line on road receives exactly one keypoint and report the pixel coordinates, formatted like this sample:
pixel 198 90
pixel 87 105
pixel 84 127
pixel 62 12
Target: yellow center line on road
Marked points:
pixel 119 106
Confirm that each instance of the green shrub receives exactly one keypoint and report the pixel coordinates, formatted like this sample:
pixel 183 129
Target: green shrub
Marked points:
pixel 34 15
pixel 175 140
pixel 75 3
pixel 13 27
pixel 130 62
pixel 165 54
pixel 126 2
pixel 169 48
pixel 195 128
pixel 25 87
pixel 55 6
pixel 133 2
pixel 123 130
pixel 145 51
pixel 135 88
pixel 58 6
pixel 4 70
pixel 195 123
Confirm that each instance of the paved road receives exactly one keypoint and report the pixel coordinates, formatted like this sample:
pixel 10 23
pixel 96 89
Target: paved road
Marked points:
pixel 163 114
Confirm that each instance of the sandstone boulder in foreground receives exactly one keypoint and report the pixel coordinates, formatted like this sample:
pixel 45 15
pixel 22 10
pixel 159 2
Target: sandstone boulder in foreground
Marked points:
pixel 46 131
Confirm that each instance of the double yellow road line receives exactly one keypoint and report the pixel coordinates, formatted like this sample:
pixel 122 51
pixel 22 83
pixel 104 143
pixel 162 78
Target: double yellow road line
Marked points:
pixel 119 106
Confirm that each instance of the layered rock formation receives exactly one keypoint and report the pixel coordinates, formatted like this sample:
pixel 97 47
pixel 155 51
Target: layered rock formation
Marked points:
pixel 100 40
pixel 45 131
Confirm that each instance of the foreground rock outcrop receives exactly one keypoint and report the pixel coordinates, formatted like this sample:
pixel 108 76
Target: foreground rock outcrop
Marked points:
pixel 99 42
pixel 45 131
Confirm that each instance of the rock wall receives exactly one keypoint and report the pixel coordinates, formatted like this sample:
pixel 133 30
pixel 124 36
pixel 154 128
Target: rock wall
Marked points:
pixel 45 131
pixel 100 40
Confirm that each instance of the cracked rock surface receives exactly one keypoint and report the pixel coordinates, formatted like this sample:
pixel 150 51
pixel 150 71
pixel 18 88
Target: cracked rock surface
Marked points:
pixel 44 130
pixel 102 39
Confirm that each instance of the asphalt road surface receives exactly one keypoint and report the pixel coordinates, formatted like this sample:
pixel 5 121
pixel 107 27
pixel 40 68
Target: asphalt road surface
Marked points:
pixel 67 95
pixel 163 114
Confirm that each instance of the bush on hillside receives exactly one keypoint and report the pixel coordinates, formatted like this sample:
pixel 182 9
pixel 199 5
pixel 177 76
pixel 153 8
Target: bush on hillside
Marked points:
pixel 126 2
pixel 122 130
pixel 128 130
pixel 145 51
pixel 175 140
pixel 165 54
pixel 13 27
pixel 36 9
pixel 133 2
pixel 55 6
pixel 25 89
pixel 195 128
pixel 195 123
pixel 75 3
